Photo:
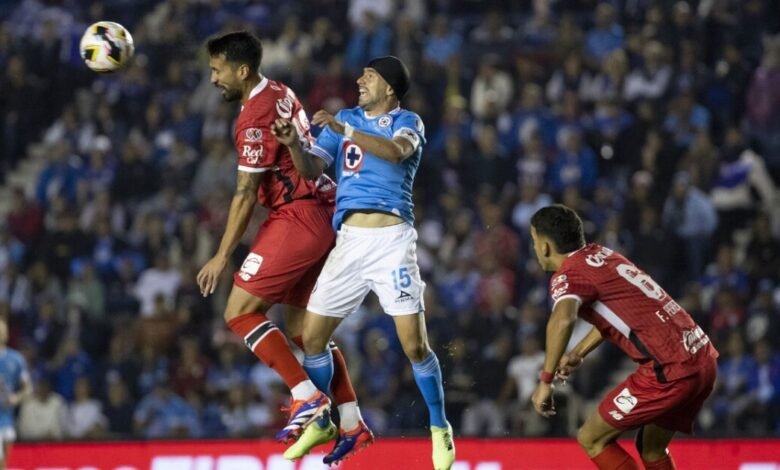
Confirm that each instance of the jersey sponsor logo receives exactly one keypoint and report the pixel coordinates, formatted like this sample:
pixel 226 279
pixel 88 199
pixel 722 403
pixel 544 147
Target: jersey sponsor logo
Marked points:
pixel 252 153
pixel 559 279
pixel 353 157
pixel 251 266
pixel 558 292
pixel 695 339
pixel 616 415
pixel 625 401
pixel 274 87
pixel 284 107
pixel 253 135
pixel 598 260
pixel 384 121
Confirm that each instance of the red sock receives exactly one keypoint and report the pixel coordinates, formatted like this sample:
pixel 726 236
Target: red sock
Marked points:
pixel 341 386
pixel 666 463
pixel 269 344
pixel 613 457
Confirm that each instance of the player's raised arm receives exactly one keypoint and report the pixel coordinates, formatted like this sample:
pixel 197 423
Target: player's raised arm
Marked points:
pixel 241 208
pixel 307 164
pixel 393 150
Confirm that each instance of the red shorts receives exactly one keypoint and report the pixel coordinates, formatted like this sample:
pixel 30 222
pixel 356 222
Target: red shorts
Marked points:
pixel 641 399
pixel 288 253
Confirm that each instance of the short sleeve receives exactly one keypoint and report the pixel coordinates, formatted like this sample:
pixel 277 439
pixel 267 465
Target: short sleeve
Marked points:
pixel 257 148
pixel 410 127
pixel 327 144
pixel 570 284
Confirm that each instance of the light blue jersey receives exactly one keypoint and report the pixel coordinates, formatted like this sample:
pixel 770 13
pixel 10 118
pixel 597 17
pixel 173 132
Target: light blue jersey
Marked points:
pixel 13 369
pixel 366 181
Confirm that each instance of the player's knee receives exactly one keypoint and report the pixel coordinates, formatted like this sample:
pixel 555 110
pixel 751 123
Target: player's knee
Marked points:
pixel 314 343
pixel 417 351
pixel 585 439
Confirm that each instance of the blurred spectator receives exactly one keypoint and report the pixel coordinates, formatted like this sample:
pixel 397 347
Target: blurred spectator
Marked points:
pixel 24 220
pixel 652 79
pixel 691 217
pixel 42 416
pixel 606 35
pixel 370 39
pixel 163 414
pixel 85 419
pixel 118 409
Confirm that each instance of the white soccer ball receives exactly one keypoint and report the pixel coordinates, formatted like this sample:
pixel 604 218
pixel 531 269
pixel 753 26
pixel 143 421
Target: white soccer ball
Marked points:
pixel 106 46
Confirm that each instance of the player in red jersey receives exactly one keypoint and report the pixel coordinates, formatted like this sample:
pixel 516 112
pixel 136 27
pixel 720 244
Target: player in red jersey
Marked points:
pixel 290 248
pixel 677 362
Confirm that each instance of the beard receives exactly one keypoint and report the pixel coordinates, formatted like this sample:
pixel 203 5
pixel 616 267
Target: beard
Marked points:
pixel 230 95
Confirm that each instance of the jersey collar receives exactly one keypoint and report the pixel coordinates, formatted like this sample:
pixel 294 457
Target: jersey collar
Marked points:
pixel 395 110
pixel 258 88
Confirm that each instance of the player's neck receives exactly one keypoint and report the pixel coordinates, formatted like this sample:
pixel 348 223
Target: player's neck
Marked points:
pixel 250 85
pixel 381 108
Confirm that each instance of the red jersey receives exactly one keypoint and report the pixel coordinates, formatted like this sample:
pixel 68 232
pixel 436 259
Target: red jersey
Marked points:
pixel 260 152
pixel 632 311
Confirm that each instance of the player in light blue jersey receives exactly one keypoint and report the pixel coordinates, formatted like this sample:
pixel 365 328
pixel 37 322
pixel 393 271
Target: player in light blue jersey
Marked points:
pixel 15 385
pixel 376 149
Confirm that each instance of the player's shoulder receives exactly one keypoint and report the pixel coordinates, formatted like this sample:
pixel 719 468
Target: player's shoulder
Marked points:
pixel 274 99
pixel 410 119
pixel 354 114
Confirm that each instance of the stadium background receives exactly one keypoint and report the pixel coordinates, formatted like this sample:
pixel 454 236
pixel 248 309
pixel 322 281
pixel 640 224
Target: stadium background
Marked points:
pixel 658 120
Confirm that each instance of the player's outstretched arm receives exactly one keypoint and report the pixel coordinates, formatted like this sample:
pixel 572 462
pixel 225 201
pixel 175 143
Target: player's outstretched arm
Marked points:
pixel 241 208
pixel 559 330
pixel 308 165
pixel 396 150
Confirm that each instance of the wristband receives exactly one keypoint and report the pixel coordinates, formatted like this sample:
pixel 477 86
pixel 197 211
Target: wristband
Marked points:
pixel 546 377
pixel 348 130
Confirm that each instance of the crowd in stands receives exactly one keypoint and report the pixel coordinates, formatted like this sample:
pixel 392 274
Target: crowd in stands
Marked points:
pixel 658 121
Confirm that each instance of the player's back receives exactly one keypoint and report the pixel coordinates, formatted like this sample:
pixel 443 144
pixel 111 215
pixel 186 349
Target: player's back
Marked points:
pixel 369 182
pixel 260 152
pixel 632 310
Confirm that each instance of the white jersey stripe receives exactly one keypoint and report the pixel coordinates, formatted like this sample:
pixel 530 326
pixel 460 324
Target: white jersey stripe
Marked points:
pixel 611 317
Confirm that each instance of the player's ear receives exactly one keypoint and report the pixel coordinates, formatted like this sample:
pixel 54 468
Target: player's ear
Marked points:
pixel 243 71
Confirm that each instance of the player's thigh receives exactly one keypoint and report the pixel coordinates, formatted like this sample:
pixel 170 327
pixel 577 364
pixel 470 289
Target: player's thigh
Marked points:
pixel 341 286
pixel 595 434
pixel 293 320
pixel 394 273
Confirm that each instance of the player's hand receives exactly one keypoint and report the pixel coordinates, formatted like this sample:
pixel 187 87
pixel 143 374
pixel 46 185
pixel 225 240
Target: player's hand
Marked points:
pixel 209 275
pixel 323 118
pixel 542 400
pixel 566 366
pixel 284 131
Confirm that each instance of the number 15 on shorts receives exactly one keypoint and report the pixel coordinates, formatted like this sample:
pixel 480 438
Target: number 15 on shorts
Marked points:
pixel 401 278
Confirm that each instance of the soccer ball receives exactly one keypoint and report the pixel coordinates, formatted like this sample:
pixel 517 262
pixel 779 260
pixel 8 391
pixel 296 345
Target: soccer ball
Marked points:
pixel 106 46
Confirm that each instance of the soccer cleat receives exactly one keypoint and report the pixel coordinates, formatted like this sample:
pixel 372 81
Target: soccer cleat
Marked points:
pixel 317 433
pixel 349 443
pixel 302 413
pixel 443 447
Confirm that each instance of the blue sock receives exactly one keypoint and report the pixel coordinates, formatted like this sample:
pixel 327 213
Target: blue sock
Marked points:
pixel 319 367
pixel 427 374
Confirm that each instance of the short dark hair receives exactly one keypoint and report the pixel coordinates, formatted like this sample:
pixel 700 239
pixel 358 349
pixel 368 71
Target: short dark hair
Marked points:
pixel 560 224
pixel 241 47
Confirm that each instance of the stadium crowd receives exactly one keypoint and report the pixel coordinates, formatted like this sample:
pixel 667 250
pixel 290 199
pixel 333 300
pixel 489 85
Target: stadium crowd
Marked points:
pixel 658 121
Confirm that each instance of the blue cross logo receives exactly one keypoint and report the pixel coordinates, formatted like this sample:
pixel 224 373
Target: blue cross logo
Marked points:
pixel 353 156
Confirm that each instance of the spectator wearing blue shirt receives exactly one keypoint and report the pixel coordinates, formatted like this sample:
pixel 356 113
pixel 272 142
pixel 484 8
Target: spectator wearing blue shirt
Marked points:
pixel 163 414
pixel 442 44
pixel 605 37
pixel 689 214
pixel 574 165
pixel 372 39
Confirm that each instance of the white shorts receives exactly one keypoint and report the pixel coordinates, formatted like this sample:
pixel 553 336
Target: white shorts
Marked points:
pixel 383 260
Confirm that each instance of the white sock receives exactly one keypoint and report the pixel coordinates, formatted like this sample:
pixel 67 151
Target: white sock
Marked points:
pixel 350 416
pixel 304 390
